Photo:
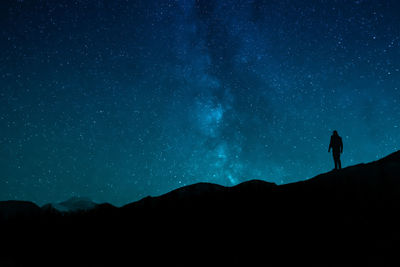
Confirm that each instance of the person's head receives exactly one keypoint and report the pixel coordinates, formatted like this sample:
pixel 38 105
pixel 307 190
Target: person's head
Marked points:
pixel 335 132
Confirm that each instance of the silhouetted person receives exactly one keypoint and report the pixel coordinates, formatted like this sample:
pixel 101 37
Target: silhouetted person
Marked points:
pixel 337 148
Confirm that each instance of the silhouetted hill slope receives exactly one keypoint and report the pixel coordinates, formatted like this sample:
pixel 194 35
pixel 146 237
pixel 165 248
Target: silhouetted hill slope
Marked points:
pixel 200 195
pixel 340 217
pixel 12 209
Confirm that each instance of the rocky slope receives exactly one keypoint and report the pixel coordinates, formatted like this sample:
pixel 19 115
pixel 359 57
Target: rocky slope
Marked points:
pixel 340 217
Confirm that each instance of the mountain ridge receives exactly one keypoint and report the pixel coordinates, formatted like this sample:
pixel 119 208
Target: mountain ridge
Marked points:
pixel 395 156
pixel 338 217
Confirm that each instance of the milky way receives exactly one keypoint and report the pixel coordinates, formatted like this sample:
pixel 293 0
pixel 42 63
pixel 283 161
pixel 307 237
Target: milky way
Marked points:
pixel 117 100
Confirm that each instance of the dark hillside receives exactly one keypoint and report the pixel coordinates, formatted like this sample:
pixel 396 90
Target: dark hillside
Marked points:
pixel 340 217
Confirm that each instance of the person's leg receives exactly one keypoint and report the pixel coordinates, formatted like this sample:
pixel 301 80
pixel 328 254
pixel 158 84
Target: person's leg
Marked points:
pixel 336 158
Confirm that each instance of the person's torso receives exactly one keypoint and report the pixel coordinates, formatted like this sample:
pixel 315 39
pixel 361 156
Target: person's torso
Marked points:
pixel 336 142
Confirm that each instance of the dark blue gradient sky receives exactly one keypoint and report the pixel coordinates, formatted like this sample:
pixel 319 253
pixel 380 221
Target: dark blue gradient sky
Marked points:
pixel 117 100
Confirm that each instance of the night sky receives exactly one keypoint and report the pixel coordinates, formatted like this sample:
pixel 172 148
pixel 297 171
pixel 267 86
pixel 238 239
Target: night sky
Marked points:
pixel 117 100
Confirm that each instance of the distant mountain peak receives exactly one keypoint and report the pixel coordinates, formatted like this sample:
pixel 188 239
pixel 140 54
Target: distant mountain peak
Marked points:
pixel 75 204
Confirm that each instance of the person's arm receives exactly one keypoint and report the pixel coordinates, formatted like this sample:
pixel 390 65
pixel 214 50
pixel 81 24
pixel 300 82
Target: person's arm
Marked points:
pixel 330 145
pixel 341 145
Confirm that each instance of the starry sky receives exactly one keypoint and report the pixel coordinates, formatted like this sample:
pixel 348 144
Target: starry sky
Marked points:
pixel 117 100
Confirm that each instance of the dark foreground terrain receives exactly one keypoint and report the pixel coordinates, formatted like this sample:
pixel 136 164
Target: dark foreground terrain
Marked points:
pixel 341 218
